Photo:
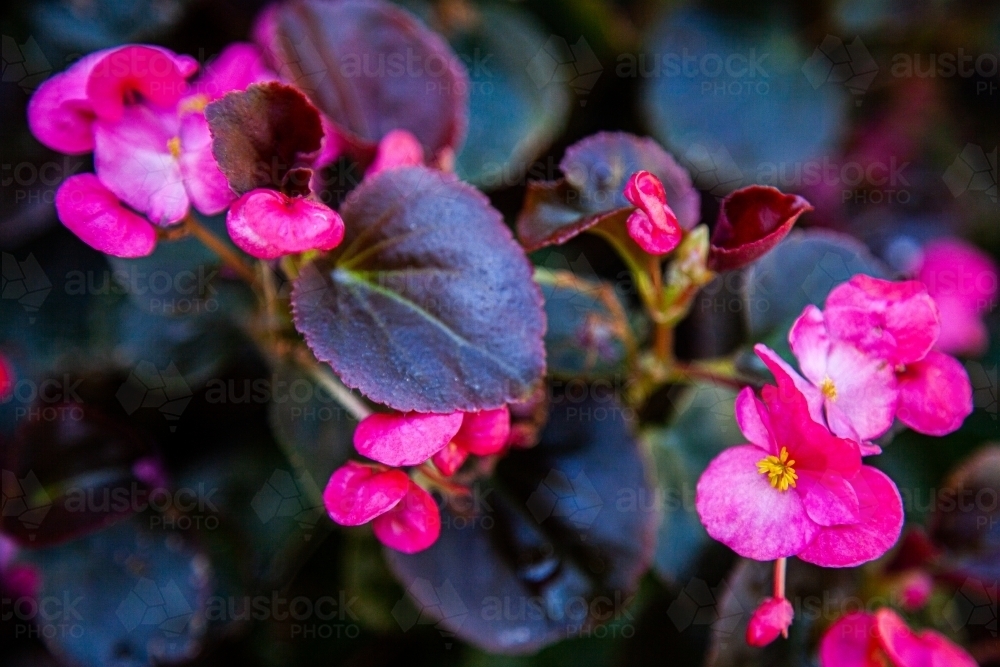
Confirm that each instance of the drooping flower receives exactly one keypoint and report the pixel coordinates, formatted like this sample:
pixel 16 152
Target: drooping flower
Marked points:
pixel 132 106
pixel 963 283
pixel 653 225
pixel 771 618
pixel 875 640
pixel 268 224
pixel 796 489
pixel 412 525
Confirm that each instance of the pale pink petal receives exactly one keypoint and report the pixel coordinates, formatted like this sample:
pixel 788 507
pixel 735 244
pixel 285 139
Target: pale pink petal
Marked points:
pixel 908 322
pixel 236 67
pixel 829 499
pixel 60 114
pixel 92 212
pixel 405 439
pixel 905 647
pixel 739 507
pixel 156 75
pixel 754 421
pixel 653 225
pixel 772 618
pixel 850 642
pixel 862 393
pixel 397 148
pixel 881 510
pixel 412 525
pixel 204 182
pixel 358 493
pixel 484 433
pixel 268 224
pixel 810 343
pixel 450 459
pixel 935 395
pixel 133 158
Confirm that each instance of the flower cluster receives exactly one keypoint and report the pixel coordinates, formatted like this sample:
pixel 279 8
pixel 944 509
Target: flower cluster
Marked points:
pixel 132 106
pixel 883 638
pixel 404 516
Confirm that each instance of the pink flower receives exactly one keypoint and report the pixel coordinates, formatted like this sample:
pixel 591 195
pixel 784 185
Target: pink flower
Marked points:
pixel 401 439
pixel 267 224
pixel 874 640
pixel 133 108
pixel 963 283
pixel 398 148
pixel 796 489
pixel 916 587
pixel 772 618
pixel 653 224
pixel 898 324
pixel 412 525
pixel 403 515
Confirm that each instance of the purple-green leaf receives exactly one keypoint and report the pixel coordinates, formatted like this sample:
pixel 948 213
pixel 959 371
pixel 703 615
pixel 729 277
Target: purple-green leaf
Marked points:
pixel 428 304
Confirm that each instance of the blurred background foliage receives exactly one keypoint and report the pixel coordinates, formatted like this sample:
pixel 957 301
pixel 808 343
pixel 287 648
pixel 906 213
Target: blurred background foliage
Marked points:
pixel 838 83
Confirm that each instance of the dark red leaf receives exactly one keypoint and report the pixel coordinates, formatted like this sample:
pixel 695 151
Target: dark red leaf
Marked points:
pixel 751 222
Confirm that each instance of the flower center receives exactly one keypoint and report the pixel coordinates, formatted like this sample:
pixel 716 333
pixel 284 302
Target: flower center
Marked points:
pixel 828 388
pixel 779 470
pixel 174 146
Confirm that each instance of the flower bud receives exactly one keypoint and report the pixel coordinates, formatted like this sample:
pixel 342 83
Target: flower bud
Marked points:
pixel 770 619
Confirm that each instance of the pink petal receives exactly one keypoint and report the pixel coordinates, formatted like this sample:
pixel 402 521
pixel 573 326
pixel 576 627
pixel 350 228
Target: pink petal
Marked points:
pixel 829 499
pixel 881 510
pixel 962 329
pixel 956 270
pixel 772 618
pixel 935 395
pixel 866 393
pixel 92 212
pixel 133 158
pixel 905 647
pixel 850 642
pixel 654 225
pixel 412 525
pixel 268 224
pixel 450 459
pixel 204 182
pixel 484 433
pixel 236 67
pixel 358 493
pixel 397 148
pixel 60 114
pixel 739 507
pixel 907 321
pixel 158 75
pixel 810 343
pixel 754 421
pixel 809 442
pixel 814 398
pixel 405 439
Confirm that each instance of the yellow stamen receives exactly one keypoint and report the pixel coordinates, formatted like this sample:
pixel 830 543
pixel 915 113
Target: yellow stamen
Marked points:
pixel 779 470
pixel 174 146
pixel 828 388
pixel 193 104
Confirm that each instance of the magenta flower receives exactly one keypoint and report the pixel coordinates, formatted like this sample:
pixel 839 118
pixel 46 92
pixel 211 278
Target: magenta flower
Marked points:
pixel 267 224
pixel 771 618
pixel 132 106
pixel 653 225
pixel 398 148
pixel 963 283
pixel 898 323
pixel 796 489
pixel 412 525
pixel 403 439
pixel 875 640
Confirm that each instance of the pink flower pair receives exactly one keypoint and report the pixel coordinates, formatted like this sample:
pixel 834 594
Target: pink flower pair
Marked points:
pixel 883 638
pixel 653 225
pixel 133 107
pixel 796 489
pixel 404 516
pixel 868 358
